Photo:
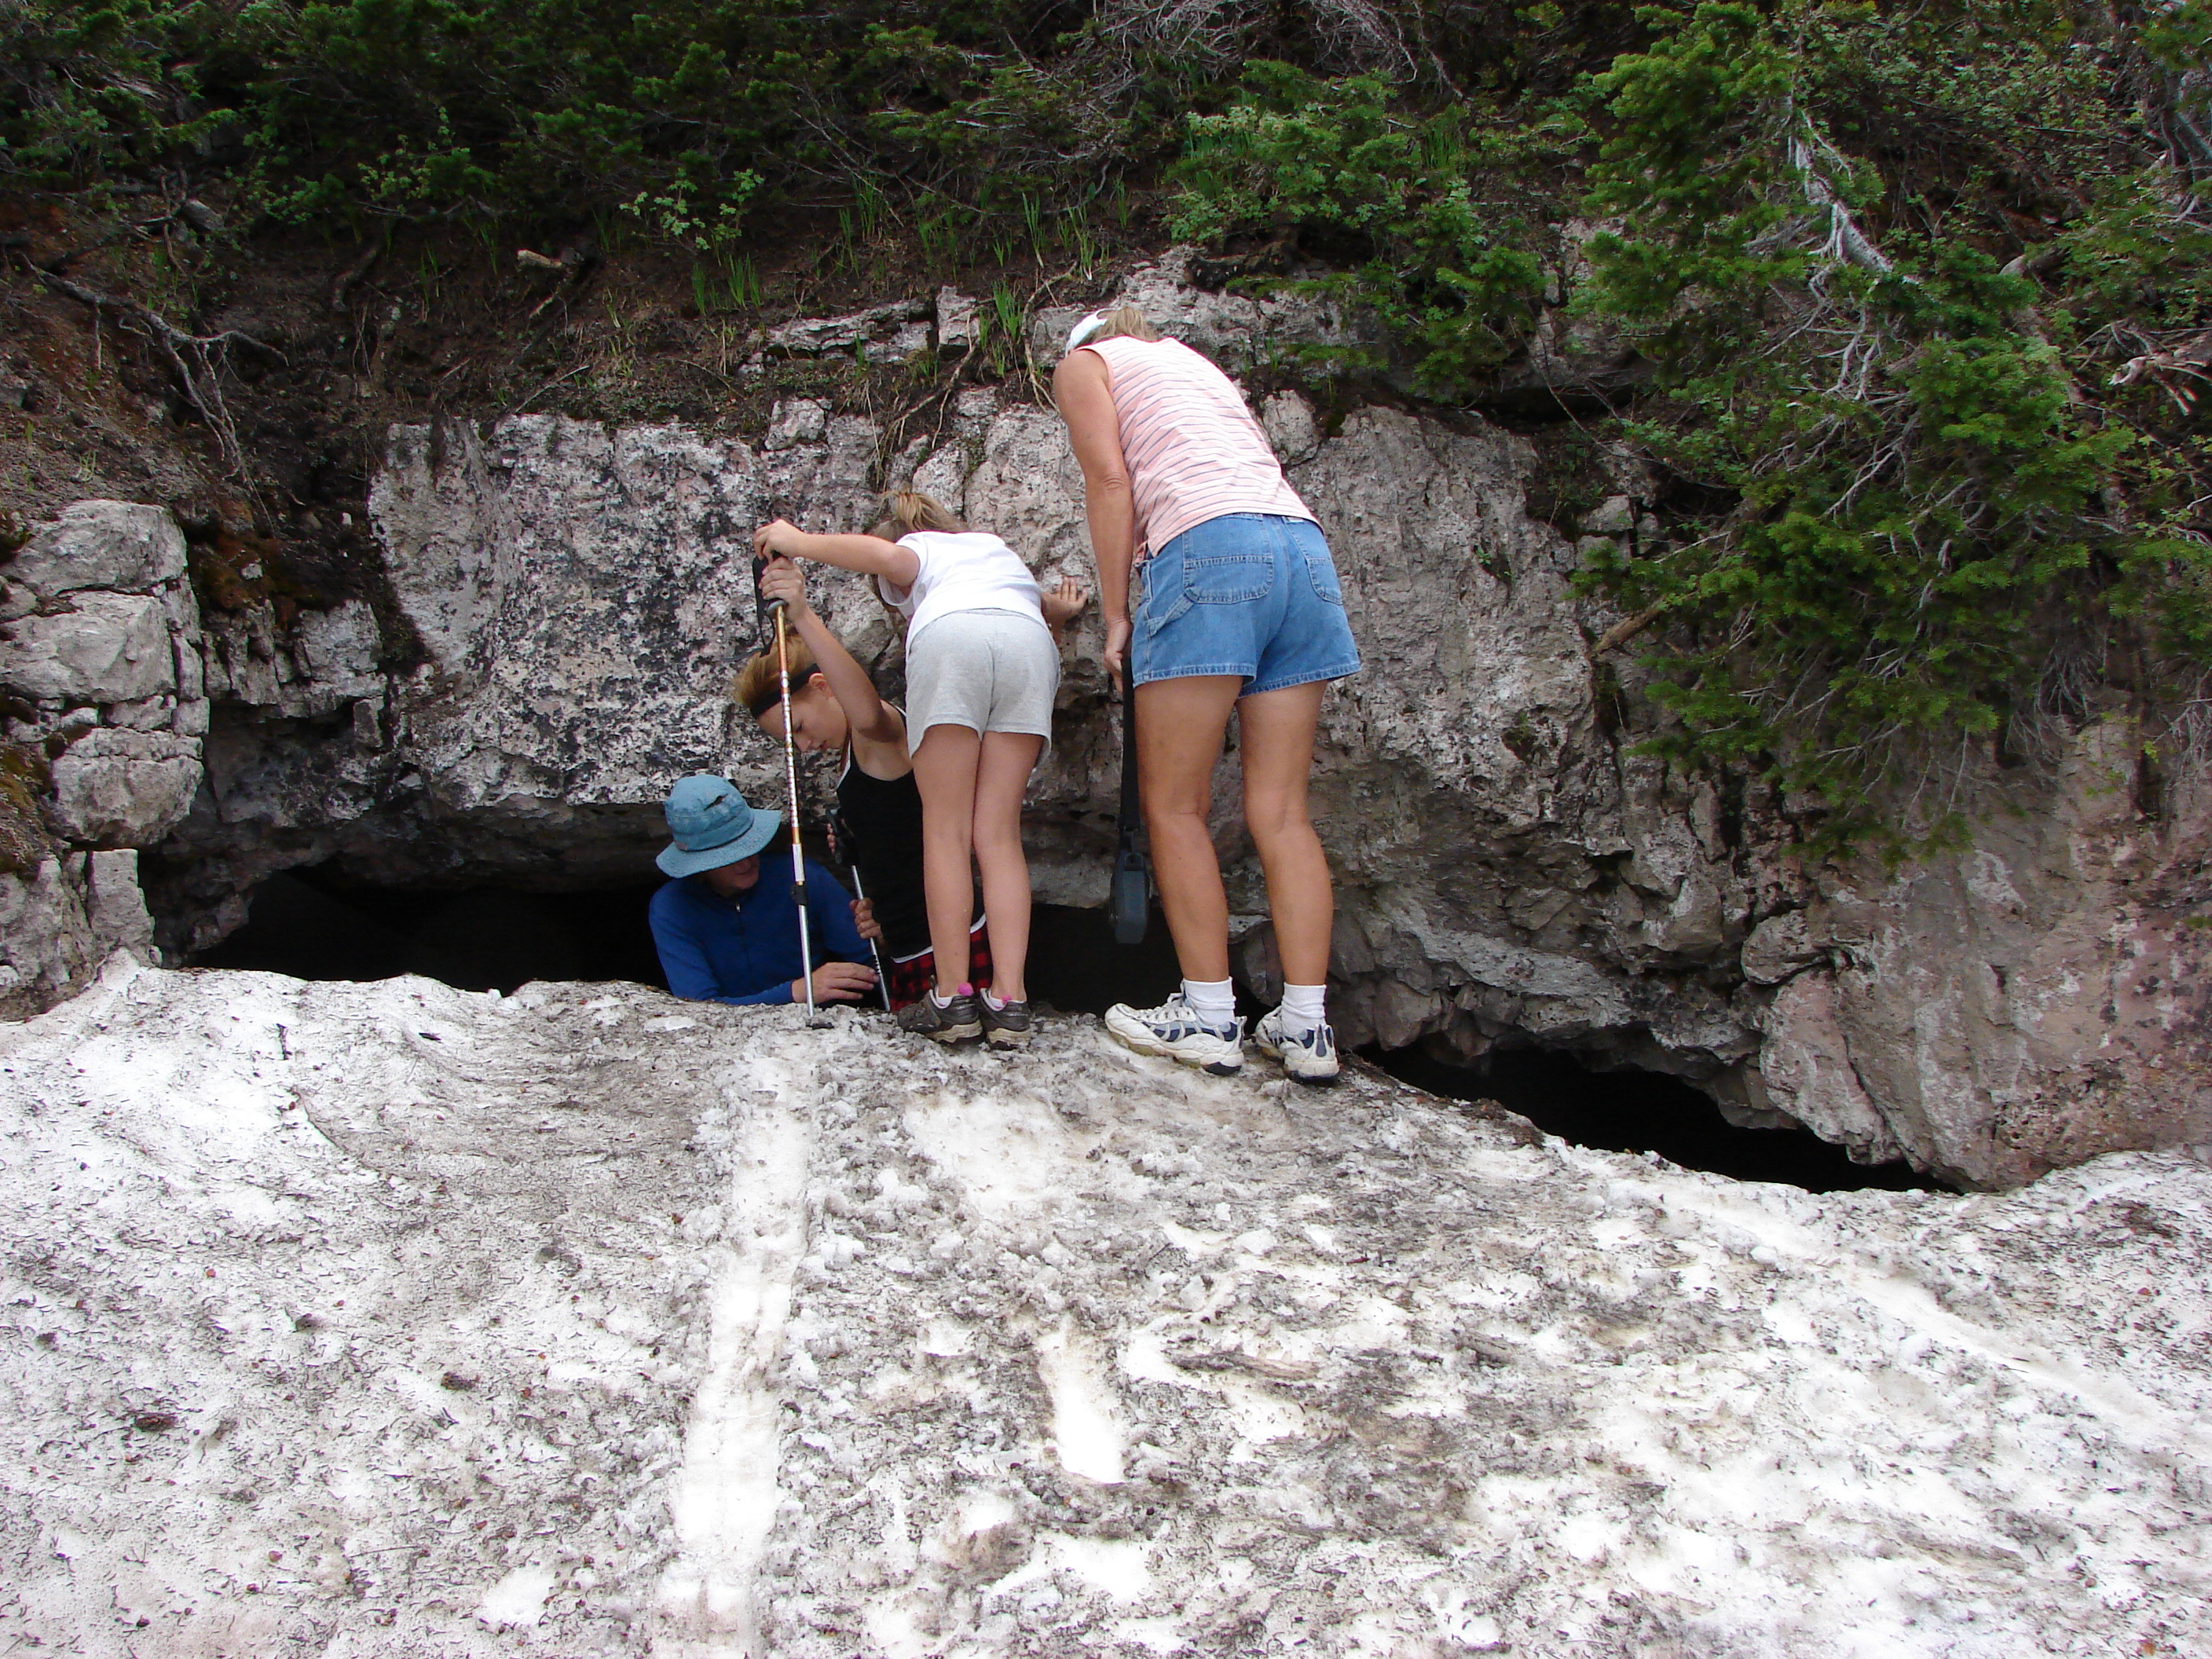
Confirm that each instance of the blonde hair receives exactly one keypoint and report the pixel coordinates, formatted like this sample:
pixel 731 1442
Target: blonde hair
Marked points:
pixel 906 511
pixel 758 687
pixel 1122 323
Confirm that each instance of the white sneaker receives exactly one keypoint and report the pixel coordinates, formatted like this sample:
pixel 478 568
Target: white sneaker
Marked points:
pixel 1308 1059
pixel 1174 1029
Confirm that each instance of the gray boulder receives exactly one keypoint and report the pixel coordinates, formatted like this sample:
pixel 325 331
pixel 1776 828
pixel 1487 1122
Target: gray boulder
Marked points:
pixel 120 787
pixel 125 546
pixel 108 648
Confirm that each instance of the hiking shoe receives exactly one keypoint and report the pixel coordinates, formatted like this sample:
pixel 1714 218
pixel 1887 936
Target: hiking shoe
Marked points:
pixel 1308 1059
pixel 1175 1030
pixel 956 1021
pixel 1008 1025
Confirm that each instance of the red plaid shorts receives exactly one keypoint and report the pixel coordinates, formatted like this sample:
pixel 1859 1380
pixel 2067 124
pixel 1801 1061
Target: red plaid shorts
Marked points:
pixel 907 980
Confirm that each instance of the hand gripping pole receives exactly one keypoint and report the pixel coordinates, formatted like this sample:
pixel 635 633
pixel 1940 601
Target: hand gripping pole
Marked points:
pixel 875 946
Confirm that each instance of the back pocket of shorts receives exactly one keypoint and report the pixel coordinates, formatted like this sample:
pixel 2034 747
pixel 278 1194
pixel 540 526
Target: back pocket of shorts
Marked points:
pixel 1228 578
pixel 1320 571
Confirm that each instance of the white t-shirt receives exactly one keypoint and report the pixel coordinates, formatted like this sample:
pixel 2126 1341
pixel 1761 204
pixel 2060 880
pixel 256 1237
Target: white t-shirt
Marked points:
pixel 962 570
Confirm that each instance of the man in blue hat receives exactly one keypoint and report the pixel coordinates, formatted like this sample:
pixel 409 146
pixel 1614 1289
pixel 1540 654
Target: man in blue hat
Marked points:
pixel 727 935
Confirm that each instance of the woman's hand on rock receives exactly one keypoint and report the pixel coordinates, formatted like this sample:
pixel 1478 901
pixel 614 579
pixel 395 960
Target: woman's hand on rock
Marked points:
pixel 782 579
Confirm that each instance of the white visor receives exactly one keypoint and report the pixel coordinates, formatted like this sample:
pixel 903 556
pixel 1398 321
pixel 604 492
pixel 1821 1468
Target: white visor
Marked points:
pixel 1083 329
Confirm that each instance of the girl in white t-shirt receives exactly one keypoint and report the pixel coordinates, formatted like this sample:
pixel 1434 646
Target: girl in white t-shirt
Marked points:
pixel 982 667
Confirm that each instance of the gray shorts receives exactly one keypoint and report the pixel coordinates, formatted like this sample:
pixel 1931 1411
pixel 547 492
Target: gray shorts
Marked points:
pixel 989 671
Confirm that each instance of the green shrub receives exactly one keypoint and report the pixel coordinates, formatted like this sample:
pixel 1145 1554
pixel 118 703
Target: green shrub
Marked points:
pixel 1449 270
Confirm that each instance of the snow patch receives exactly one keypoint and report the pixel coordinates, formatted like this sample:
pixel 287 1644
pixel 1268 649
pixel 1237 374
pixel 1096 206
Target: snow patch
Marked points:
pixel 763 1341
pixel 517 1600
pixel 1086 1428
pixel 725 1498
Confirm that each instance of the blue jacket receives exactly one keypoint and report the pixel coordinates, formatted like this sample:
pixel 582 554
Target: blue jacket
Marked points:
pixel 746 950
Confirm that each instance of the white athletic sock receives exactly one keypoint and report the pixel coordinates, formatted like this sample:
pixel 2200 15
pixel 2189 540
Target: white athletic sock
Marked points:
pixel 1214 1001
pixel 1304 1008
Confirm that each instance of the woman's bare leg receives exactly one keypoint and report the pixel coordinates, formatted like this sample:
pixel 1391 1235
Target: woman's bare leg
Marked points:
pixel 1002 778
pixel 1276 743
pixel 945 764
pixel 1180 724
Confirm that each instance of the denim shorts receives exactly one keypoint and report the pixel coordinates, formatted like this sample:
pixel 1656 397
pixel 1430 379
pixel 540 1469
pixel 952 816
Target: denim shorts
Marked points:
pixel 1253 594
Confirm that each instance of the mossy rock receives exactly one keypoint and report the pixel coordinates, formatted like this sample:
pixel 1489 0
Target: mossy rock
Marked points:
pixel 24 841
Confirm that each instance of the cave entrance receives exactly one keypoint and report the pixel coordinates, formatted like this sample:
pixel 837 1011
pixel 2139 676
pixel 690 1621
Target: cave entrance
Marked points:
pixel 316 923
pixel 1630 1111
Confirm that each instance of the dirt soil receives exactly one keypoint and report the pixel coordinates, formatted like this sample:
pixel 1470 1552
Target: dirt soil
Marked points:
pixel 415 327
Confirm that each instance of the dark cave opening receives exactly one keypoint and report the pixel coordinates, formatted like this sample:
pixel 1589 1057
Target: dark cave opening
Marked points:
pixel 1631 1110
pixel 317 923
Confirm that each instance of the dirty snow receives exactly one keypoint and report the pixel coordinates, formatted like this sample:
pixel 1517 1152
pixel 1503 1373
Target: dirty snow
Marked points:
pixel 391 1320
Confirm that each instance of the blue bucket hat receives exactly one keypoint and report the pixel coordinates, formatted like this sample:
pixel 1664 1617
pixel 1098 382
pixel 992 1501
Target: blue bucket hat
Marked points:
pixel 713 826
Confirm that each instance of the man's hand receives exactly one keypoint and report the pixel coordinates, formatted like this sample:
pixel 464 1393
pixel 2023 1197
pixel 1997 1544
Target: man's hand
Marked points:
pixel 1065 603
pixel 864 918
pixel 782 580
pixel 836 981
pixel 779 536
pixel 1117 650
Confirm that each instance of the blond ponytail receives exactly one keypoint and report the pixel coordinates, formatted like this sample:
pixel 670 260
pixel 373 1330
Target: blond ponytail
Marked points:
pixel 1124 322
pixel 906 511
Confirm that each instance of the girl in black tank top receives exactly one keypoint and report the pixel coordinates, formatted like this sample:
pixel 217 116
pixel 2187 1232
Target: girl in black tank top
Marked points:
pixel 879 833
pixel 835 705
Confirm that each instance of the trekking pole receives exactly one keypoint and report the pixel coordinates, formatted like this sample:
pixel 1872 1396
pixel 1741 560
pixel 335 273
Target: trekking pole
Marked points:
pixel 875 946
pixel 791 782
pixel 841 849
pixel 1131 901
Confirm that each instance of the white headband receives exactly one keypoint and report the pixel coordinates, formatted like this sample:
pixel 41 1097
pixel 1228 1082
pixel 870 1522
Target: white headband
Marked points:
pixel 1083 329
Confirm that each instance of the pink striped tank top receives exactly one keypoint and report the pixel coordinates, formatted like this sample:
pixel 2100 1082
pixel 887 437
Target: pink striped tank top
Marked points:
pixel 1193 451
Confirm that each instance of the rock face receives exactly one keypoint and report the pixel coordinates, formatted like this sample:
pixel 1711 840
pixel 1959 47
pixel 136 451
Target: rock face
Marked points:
pixel 1514 866
pixel 99 673
pixel 389 1319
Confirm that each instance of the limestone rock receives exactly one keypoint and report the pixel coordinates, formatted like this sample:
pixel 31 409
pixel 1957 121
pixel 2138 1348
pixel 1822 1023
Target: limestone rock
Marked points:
pixel 46 944
pixel 119 787
pixel 907 342
pixel 1288 420
pixel 120 545
pixel 796 421
pixel 1614 516
pixel 955 323
pixel 60 919
pixel 1237 330
pixel 108 648
pixel 339 648
pixel 817 337
pixel 1779 948
pixel 115 906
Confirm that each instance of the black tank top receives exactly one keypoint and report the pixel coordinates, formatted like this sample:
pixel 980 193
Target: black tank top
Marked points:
pixel 879 830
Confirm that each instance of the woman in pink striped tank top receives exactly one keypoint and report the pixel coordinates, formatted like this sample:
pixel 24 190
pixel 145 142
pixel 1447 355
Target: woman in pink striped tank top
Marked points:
pixel 1219 594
